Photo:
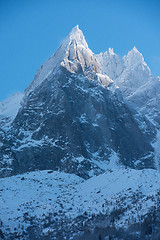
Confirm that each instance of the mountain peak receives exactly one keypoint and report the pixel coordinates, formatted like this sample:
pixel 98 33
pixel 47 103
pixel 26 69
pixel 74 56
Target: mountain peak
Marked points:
pixel 76 55
pixel 111 52
pixel 135 49
pixel 133 57
pixel 76 35
pixel 73 54
pixel 75 29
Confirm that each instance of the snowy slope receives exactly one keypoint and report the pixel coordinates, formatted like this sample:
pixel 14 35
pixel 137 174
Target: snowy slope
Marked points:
pixel 146 99
pixel 66 196
pixel 9 109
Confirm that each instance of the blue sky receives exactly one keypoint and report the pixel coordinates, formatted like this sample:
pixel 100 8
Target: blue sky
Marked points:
pixel 32 30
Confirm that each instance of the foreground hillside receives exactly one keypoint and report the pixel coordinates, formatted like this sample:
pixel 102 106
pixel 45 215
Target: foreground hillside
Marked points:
pixel 54 205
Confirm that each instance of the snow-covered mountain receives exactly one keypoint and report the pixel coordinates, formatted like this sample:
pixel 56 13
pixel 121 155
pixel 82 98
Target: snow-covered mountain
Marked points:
pixel 73 116
pixel 85 138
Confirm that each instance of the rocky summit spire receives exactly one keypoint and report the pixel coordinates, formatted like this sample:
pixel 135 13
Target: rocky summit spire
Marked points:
pixel 76 54
pixel 73 54
pixel 76 35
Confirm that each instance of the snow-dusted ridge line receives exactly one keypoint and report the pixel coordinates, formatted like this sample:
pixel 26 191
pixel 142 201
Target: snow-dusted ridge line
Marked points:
pixel 75 50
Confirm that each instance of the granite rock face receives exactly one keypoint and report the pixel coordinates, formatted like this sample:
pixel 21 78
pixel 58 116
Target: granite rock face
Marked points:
pixel 70 121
